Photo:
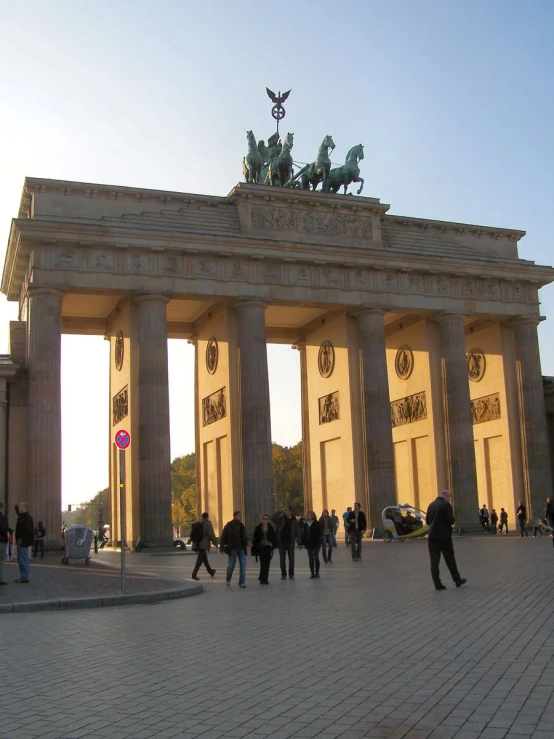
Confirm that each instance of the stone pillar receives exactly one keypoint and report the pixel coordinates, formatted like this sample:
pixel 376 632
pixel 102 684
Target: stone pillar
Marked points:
pixel 3 439
pixel 306 455
pixel 44 412
pixel 154 434
pixel 200 506
pixel 537 472
pixel 257 463
pixel 376 412
pixel 460 446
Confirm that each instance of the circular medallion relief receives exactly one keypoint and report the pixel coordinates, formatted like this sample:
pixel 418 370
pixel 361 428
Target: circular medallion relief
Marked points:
pixel 326 359
pixel 476 365
pixel 119 351
pixel 404 362
pixel 212 355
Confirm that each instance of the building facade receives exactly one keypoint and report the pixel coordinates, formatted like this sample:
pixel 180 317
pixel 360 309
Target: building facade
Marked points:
pixel 417 340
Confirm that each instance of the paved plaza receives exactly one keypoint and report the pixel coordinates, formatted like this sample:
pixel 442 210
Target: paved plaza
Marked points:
pixel 369 650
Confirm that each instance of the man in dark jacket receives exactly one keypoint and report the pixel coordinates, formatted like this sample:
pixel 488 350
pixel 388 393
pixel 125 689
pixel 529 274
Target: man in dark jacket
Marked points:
pixel 440 518
pixel 3 541
pixel 357 525
pixel 234 543
pixel 204 547
pixel 24 536
pixel 288 532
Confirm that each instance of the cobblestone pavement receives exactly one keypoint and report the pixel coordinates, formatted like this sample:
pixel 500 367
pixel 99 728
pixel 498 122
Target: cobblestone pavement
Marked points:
pixel 369 650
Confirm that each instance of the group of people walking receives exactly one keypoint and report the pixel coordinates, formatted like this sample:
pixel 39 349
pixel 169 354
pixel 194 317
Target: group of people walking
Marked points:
pixel 489 521
pixel 282 532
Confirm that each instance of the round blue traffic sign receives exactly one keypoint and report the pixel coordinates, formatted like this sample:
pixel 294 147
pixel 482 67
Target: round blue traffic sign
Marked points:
pixel 122 439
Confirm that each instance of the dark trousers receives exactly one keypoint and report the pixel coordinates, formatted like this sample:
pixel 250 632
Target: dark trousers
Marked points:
pixel 356 544
pixel 327 541
pixel 265 560
pixel 286 547
pixel 38 545
pixel 446 548
pixel 202 559
pixel 313 559
pixel 522 529
pixel 503 524
pixel 493 528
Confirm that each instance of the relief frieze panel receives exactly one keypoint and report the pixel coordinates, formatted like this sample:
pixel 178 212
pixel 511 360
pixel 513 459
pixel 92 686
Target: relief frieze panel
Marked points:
pixel 138 263
pixel 486 408
pixel 329 408
pixel 120 406
pixel 214 407
pixel 101 260
pixel 408 410
pixel 311 222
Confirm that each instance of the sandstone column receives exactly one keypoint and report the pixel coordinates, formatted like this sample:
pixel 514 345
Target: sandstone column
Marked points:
pixel 306 455
pixel 3 440
pixel 376 413
pixel 460 446
pixel 44 412
pixel 257 464
pixel 154 434
pixel 537 472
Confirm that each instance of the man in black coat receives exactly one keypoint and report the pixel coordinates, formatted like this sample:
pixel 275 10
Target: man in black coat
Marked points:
pixel 357 524
pixel 440 518
pixel 4 530
pixel 24 536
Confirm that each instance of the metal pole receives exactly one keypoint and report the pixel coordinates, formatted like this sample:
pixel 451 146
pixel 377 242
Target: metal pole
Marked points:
pixel 122 514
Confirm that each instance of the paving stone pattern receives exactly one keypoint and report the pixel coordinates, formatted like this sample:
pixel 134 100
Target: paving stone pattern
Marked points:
pixel 369 650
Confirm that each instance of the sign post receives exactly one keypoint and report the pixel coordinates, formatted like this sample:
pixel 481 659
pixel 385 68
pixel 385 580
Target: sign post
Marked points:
pixel 122 442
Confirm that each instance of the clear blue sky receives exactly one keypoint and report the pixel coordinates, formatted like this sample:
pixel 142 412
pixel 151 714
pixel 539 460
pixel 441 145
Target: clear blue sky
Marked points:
pixel 453 102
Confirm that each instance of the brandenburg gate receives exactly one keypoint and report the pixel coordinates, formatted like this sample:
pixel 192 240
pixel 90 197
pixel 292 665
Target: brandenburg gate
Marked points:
pixel 417 340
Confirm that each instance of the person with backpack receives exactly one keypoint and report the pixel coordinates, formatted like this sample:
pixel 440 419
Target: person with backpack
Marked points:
pixel 521 515
pixel 40 534
pixel 202 535
pixel 264 542
pixel 503 520
pixel 494 521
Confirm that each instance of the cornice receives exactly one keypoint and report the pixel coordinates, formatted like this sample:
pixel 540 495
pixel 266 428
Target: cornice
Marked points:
pixel 452 227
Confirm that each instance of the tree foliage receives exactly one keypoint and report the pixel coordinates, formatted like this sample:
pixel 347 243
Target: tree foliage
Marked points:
pixel 287 475
pixel 183 490
pixel 89 513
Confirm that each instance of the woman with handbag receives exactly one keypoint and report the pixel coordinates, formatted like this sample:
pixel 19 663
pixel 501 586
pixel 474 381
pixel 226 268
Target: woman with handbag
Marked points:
pixel 263 544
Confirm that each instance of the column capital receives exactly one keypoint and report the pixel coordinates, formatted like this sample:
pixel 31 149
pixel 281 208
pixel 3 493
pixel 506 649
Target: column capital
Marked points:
pixel 144 297
pixel 36 292
pixel 365 310
pixel 299 345
pixel 239 303
pixel 527 320
pixel 193 340
pixel 445 317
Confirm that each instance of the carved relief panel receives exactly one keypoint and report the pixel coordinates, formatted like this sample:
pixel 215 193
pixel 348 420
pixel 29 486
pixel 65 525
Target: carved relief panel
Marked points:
pixel 485 409
pixel 120 406
pixel 214 407
pixel 329 408
pixel 408 410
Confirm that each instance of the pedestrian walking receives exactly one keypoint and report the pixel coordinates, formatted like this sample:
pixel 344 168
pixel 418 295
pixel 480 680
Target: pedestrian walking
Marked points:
pixel 311 539
pixel 503 520
pixel 345 515
pixel 440 519
pixel 484 517
pixel 521 515
pixel 535 522
pixel 326 526
pixel 357 524
pixel 40 533
pixel 335 521
pixel 287 533
pixel 264 542
pixel 494 521
pixel 234 543
pixel 549 514
pixel 24 534
pixel 204 539
pixel 4 537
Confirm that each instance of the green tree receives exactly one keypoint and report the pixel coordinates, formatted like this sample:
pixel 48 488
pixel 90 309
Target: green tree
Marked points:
pixel 287 476
pixel 90 512
pixel 184 494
